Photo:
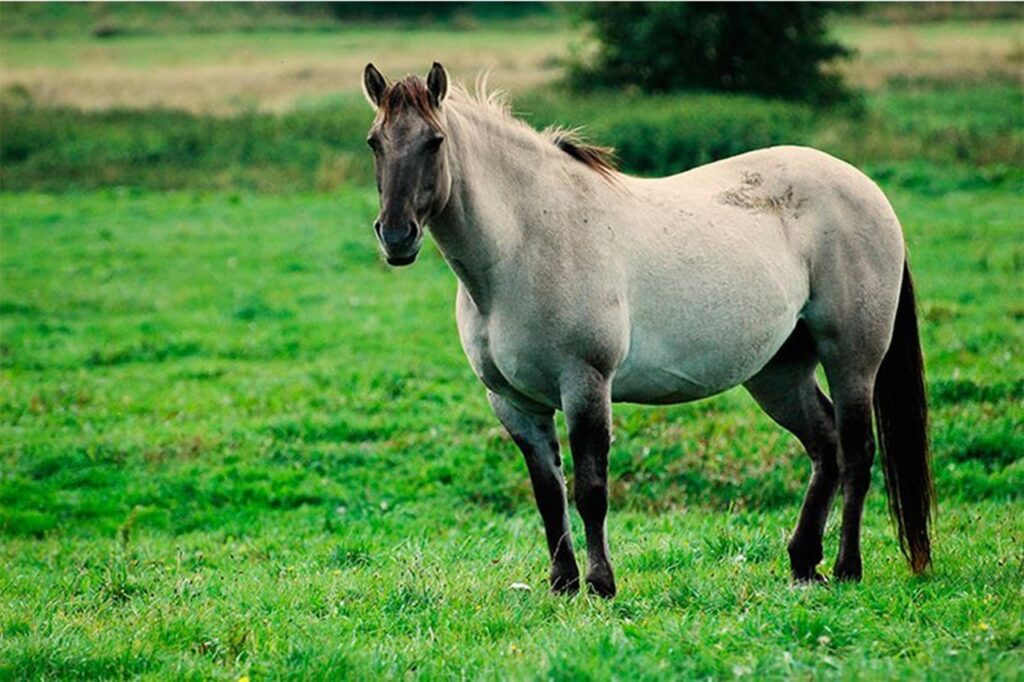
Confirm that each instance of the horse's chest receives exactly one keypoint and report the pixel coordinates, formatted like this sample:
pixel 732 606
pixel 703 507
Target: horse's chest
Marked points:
pixel 507 358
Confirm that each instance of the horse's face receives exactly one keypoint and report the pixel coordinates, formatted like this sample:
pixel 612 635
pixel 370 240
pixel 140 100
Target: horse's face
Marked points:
pixel 407 139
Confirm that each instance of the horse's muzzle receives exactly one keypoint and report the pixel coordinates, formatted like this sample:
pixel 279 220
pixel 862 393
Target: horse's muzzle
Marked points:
pixel 401 243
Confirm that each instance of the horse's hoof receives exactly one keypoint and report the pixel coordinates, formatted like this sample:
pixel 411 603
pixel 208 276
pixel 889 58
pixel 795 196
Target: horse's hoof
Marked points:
pixel 848 572
pixel 565 582
pixel 603 585
pixel 806 573
pixel 809 579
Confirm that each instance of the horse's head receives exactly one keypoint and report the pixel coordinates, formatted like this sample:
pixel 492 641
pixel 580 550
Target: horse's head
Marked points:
pixel 407 139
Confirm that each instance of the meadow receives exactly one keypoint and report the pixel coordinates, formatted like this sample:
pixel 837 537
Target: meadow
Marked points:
pixel 234 443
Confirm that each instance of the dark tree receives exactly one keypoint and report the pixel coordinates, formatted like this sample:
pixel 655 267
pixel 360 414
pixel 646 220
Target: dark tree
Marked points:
pixel 774 49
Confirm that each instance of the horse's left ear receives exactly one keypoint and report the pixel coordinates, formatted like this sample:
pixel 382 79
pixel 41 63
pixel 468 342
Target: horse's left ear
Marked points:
pixel 437 84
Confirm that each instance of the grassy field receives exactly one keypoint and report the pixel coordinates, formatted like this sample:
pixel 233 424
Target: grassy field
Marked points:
pixel 233 443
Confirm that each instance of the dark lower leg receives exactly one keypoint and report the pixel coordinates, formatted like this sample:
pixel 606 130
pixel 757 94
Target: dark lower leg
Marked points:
pixel 549 491
pixel 821 443
pixel 848 562
pixel 789 393
pixel 805 547
pixel 589 437
pixel 857 453
pixel 592 502
pixel 537 440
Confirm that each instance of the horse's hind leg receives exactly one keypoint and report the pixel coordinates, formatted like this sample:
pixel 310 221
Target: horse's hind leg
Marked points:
pixel 787 390
pixel 852 391
pixel 536 437
pixel 851 362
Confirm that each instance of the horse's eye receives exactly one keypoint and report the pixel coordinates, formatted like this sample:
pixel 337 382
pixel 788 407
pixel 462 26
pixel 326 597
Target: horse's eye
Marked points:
pixel 434 144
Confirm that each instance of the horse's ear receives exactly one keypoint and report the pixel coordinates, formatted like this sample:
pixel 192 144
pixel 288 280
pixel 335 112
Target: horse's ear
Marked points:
pixel 374 85
pixel 437 84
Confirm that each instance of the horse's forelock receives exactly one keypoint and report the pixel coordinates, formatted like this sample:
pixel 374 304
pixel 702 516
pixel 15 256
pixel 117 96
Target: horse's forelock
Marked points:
pixel 409 93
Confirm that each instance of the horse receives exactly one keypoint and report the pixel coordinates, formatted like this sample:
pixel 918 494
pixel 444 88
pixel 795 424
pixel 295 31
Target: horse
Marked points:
pixel 580 286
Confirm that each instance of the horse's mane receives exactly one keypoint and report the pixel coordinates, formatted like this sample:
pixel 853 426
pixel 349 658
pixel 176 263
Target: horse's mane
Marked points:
pixel 412 92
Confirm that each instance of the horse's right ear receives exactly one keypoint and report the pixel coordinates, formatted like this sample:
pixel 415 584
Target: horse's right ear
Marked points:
pixel 374 85
pixel 437 84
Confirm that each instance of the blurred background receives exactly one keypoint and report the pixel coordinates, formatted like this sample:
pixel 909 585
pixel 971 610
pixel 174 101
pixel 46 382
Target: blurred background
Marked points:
pixel 233 442
pixel 266 96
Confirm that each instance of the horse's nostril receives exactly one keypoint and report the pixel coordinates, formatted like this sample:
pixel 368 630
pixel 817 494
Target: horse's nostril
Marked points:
pixel 396 235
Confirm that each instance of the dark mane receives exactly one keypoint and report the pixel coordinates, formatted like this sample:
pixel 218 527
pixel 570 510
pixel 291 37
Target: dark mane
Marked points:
pixel 600 159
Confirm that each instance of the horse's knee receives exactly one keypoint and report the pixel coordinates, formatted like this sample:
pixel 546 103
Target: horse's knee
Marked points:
pixel 823 450
pixel 855 475
pixel 591 498
pixel 590 434
pixel 590 438
pixel 826 466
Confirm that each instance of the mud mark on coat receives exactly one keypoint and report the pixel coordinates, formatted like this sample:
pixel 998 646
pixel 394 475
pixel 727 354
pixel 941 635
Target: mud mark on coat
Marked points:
pixel 753 196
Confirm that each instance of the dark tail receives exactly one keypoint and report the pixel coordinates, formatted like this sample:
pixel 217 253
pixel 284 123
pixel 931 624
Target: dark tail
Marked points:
pixel 901 414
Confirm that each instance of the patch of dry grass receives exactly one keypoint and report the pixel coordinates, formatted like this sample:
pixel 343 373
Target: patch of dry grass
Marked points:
pixel 224 73
pixel 270 72
pixel 936 52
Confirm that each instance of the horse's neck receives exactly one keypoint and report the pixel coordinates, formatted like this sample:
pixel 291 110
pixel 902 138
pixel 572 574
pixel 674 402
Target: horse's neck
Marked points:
pixel 498 177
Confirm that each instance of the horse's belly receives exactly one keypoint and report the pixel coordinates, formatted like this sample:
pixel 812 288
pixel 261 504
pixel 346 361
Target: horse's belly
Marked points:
pixel 657 386
pixel 663 370
pixel 708 310
pixel 690 352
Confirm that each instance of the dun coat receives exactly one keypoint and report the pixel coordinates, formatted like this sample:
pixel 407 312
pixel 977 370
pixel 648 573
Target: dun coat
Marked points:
pixel 580 286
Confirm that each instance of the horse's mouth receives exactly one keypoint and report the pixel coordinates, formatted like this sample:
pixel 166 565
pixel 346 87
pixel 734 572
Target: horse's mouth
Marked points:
pixel 399 261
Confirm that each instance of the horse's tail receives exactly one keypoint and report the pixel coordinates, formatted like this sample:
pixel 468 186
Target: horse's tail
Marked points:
pixel 901 414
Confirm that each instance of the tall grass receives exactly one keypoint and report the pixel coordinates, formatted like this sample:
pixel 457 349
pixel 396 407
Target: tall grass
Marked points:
pixel 322 147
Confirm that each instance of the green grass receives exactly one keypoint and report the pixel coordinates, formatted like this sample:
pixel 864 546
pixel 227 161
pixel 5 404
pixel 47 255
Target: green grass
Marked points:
pixel 233 442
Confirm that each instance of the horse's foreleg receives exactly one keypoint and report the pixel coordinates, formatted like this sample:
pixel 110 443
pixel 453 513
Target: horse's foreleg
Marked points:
pixel 586 400
pixel 536 437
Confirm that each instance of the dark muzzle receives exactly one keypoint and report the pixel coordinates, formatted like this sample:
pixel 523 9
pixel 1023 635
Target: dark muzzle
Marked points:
pixel 400 240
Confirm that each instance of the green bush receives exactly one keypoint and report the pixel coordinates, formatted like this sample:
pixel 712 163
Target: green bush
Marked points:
pixel 774 49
